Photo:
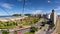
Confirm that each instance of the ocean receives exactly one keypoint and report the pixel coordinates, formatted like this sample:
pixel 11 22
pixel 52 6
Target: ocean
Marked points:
pixel 9 17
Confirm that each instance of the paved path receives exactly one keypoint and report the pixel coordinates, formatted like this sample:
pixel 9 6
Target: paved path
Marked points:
pixel 28 28
pixel 36 25
pixel 44 30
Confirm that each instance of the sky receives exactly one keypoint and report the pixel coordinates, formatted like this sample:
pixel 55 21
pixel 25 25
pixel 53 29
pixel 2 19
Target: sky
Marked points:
pixel 9 7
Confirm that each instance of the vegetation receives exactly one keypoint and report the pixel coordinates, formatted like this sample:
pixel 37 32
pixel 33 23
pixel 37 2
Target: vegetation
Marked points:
pixel 30 20
pixel 33 29
pixel 52 25
pixel 5 32
pixel 16 15
pixel 40 28
pixel 28 33
pixel 15 32
pixel 25 22
pixel 27 14
pixel 43 23
pixel 9 24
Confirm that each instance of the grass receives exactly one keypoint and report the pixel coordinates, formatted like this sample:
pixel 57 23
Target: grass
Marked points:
pixel 30 20
pixel 5 32
pixel 8 27
pixel 28 33
pixel 25 22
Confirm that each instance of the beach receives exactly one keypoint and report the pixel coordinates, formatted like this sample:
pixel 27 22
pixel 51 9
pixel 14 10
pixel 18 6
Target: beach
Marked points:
pixel 7 18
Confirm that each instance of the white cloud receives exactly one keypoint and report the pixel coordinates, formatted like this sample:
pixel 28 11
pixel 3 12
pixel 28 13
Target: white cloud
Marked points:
pixel 58 13
pixel 58 8
pixel 37 11
pixel 6 5
pixel 49 1
pixel 41 12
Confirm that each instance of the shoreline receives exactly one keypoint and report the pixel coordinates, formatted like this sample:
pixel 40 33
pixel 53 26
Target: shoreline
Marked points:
pixel 12 18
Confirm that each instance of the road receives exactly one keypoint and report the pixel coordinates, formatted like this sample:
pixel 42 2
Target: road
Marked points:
pixel 22 31
pixel 44 30
pixel 39 23
pixel 28 29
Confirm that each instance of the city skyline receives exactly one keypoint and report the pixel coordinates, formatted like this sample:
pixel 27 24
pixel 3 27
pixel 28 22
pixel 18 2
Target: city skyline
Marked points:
pixel 31 6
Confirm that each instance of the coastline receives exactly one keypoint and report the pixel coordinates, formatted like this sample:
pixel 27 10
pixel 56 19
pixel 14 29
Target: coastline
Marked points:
pixel 12 18
pixel 7 18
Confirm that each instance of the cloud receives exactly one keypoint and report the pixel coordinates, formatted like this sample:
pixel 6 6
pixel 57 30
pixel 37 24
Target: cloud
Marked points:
pixel 6 5
pixel 41 11
pixel 58 13
pixel 58 8
pixel 49 1
pixel 37 11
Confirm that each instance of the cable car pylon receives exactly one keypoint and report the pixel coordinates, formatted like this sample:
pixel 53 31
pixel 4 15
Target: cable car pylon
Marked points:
pixel 23 8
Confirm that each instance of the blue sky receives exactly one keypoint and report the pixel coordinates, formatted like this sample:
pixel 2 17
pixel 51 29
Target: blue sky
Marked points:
pixel 9 7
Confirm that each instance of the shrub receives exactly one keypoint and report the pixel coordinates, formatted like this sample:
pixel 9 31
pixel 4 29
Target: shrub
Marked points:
pixel 33 29
pixel 5 32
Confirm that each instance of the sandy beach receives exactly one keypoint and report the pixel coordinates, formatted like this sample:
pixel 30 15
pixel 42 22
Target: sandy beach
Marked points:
pixel 5 19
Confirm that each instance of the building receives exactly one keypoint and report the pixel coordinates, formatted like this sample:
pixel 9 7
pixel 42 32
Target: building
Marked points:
pixel 53 16
pixel 44 16
pixel 48 16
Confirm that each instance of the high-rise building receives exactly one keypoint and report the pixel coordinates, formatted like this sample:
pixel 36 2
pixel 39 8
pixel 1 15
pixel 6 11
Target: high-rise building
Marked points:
pixel 48 16
pixel 53 16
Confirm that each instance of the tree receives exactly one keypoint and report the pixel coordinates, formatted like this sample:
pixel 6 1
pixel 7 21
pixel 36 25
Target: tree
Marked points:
pixel 27 14
pixel 16 15
pixel 43 23
pixel 52 25
pixel 33 29
pixel 5 32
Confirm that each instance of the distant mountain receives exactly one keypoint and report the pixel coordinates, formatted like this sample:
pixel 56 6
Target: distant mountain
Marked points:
pixel 16 15
pixel 21 14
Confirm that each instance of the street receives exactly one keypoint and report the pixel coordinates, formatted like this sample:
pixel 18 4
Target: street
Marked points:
pixel 44 30
pixel 27 29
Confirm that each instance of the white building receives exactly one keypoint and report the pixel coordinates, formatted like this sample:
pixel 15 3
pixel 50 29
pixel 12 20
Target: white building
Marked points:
pixel 53 16
pixel 48 16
